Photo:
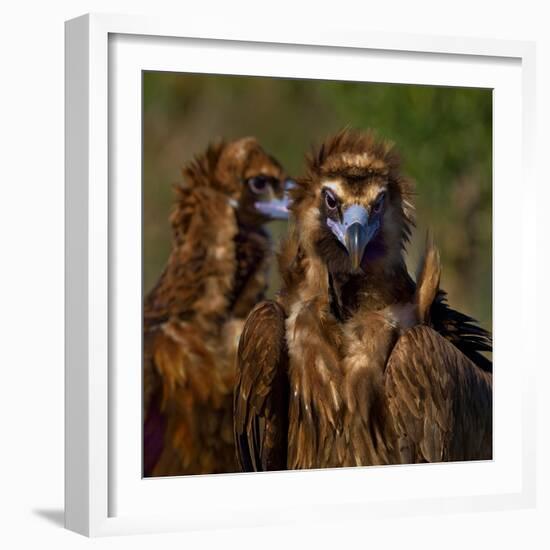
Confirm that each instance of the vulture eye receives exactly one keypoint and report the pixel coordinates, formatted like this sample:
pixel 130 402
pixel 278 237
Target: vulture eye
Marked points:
pixel 330 200
pixel 377 207
pixel 257 184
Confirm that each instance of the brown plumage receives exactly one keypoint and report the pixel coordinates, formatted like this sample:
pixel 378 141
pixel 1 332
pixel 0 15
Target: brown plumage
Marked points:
pixel 355 363
pixel 194 315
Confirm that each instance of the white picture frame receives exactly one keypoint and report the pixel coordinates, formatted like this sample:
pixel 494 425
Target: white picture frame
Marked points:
pixel 104 490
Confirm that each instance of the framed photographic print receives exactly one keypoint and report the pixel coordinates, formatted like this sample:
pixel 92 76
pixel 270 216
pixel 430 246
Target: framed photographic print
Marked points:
pixel 288 273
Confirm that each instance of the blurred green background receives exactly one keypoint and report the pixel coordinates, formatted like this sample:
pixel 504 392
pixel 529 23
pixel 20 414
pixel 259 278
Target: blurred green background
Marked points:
pixel 444 136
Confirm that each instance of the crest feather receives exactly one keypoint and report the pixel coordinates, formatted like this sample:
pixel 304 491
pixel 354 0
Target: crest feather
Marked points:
pixel 356 155
pixel 199 172
pixel 221 166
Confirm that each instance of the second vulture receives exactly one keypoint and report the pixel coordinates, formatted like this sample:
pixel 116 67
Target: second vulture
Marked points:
pixel 356 363
pixel 193 317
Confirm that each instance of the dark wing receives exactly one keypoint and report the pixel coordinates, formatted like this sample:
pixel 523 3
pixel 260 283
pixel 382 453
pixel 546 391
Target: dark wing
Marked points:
pixel 462 331
pixel 261 391
pixel 439 401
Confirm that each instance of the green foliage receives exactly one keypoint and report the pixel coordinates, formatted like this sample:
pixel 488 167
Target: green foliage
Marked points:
pixel 444 136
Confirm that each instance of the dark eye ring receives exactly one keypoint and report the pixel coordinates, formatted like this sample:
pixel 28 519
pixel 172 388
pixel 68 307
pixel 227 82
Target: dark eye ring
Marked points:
pixel 377 208
pixel 330 200
pixel 257 184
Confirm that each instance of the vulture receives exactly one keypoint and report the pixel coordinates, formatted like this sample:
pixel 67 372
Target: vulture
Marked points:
pixel 355 363
pixel 192 318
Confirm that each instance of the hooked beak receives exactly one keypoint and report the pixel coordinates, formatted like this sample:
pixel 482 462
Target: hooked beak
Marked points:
pixel 276 209
pixel 354 232
pixel 356 242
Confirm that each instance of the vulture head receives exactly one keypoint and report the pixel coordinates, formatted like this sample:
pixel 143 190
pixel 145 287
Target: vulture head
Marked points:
pixel 252 180
pixel 353 207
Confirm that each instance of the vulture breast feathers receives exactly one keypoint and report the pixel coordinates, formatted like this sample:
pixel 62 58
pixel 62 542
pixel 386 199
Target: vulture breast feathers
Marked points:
pixel 193 317
pixel 355 363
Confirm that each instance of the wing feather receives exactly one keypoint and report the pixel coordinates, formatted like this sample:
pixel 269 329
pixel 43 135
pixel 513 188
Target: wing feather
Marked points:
pixel 463 332
pixel 440 402
pixel 261 391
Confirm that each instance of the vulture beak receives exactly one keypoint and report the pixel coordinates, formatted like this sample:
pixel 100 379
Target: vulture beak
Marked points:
pixel 355 232
pixel 275 208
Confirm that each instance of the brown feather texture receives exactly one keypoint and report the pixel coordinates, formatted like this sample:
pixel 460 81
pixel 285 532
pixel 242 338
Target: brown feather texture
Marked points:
pixel 194 315
pixel 357 364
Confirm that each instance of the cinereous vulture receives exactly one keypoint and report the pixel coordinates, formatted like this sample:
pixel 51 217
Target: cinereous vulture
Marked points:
pixel 193 317
pixel 355 363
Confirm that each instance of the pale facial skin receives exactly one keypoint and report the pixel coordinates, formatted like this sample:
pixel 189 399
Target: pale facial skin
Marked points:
pixel 355 221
